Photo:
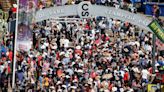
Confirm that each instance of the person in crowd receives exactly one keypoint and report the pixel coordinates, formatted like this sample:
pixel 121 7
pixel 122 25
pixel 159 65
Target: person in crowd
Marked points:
pixel 156 11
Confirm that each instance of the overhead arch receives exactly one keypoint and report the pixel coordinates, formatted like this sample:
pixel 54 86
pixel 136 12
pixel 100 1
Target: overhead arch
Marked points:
pixel 86 9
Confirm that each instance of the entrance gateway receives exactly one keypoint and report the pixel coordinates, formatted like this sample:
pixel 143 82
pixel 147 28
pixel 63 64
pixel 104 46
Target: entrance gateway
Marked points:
pixel 86 10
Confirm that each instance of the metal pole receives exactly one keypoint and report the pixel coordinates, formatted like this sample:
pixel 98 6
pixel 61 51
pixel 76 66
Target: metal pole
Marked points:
pixel 15 46
pixel 153 53
pixel 8 27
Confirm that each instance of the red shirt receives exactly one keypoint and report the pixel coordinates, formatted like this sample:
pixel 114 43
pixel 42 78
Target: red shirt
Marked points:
pixel 39 59
pixel 126 76
pixel 59 73
pixel 107 38
pixel 87 27
pixel 97 41
pixel 110 86
pixel 11 56
pixel 57 56
pixel 90 52
pixel 9 69
pixel 78 52
pixel 93 75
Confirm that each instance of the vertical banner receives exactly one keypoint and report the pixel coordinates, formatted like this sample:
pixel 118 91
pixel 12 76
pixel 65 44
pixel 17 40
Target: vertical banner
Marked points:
pixel 24 2
pixel 31 9
pixel 27 9
pixel 24 37
pixel 157 29
pixel 154 88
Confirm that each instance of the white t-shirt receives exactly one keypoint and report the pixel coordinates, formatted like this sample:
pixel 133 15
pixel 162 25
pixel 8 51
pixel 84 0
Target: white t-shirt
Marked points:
pixel 43 47
pixel 66 43
pixel 135 69
pixel 46 44
pixel 145 74
pixel 2 68
pixel 148 47
pixel 122 73
pixel 61 42
pixel 59 26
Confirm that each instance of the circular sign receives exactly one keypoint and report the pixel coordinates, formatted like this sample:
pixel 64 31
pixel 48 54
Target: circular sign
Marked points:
pixel 84 9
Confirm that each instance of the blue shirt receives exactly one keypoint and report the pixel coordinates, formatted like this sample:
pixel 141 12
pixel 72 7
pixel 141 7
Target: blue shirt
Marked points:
pixel 161 63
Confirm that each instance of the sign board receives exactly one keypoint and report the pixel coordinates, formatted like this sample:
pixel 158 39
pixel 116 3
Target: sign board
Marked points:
pixel 86 10
pixel 157 29
pixel 153 88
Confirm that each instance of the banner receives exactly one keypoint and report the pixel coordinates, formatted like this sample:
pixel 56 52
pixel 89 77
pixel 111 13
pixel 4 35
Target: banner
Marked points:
pixel 24 38
pixel 27 11
pixel 157 29
pixel 26 14
pixel 86 10
pixel 24 2
pixel 154 88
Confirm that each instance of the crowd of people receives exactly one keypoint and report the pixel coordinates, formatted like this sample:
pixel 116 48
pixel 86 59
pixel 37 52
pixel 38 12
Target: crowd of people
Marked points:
pixel 92 55
pixel 95 55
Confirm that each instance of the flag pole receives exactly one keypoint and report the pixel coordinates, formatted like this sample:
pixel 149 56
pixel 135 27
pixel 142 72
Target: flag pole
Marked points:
pixel 15 46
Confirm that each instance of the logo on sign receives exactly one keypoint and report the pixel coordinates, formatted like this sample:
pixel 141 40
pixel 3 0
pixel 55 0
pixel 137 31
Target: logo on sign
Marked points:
pixel 84 9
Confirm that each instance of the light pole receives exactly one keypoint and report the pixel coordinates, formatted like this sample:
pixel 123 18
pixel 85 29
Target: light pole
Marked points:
pixel 153 52
pixel 15 46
